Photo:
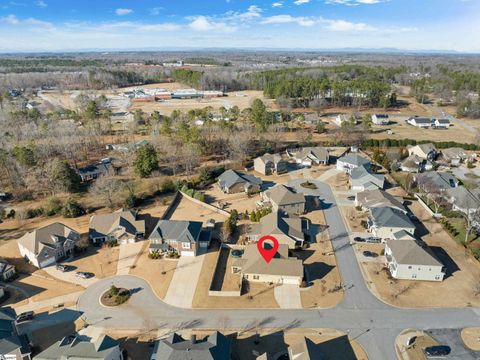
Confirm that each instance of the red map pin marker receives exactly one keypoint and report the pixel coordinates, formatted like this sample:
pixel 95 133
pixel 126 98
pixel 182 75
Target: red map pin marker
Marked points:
pixel 267 254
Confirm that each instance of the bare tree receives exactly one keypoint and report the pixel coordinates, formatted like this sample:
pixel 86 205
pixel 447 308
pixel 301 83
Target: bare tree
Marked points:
pixel 107 188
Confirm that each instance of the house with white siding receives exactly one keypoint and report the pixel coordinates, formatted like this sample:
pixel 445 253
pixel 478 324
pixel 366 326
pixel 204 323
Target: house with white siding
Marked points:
pixel 380 119
pixel 420 122
pixel 352 161
pixel 385 222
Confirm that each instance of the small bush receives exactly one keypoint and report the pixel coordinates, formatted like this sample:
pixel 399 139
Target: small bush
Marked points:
pixel 33 213
pixel 199 196
pixel 131 201
pixel 53 207
pixel 72 209
pixel 308 185
pixel 113 291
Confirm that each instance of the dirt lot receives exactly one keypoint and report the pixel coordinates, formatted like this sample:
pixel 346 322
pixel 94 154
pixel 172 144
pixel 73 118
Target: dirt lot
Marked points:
pixel 158 273
pixel 471 338
pixel 339 182
pixel 353 218
pixel 320 262
pixel 188 210
pixel 241 202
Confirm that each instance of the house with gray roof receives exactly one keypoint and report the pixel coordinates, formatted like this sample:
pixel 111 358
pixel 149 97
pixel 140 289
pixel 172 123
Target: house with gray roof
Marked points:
pixel 426 151
pixel 12 345
pixel 215 347
pixel 412 260
pixel 438 182
pixel 49 244
pixel 81 347
pixel 352 161
pixel 412 164
pixel 310 156
pixel 96 170
pixel 292 231
pixel 385 222
pixel 420 122
pixel 362 179
pixel 282 198
pixel 463 200
pixel 380 119
pixel 269 164
pixel 7 270
pixel 187 238
pixel 282 269
pixel 377 198
pixel 441 123
pixel 121 226
pixel 231 182
pixel 454 156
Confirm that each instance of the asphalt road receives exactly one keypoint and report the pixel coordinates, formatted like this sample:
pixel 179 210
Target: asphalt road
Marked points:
pixel 372 323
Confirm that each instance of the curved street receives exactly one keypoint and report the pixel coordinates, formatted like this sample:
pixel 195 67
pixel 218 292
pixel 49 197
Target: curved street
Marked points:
pixel 371 322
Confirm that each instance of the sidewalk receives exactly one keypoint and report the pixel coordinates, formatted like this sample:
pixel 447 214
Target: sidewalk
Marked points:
pixel 49 303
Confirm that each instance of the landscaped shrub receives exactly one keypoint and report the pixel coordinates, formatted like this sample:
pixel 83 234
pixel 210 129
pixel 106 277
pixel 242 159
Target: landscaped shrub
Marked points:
pixel 308 185
pixel 199 196
pixel 33 213
pixel 154 255
pixel 364 224
pixel 113 291
pixel 52 207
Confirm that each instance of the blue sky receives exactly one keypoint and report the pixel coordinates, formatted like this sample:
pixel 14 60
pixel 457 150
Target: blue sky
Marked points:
pixel 63 25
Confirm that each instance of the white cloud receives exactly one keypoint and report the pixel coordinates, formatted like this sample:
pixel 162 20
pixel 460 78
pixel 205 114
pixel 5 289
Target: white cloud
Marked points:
pixel 278 4
pixel 11 19
pixel 123 11
pixel 301 2
pixel 156 10
pixel 41 4
pixel 355 2
pixel 14 20
pixel 343 25
pixel 202 23
pixel 288 19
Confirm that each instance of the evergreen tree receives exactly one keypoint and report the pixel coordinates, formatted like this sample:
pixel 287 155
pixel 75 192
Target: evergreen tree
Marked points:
pixel 65 177
pixel 146 161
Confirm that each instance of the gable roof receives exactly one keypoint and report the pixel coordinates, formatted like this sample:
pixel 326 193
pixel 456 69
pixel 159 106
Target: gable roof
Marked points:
pixel 387 217
pixel 454 153
pixel 379 198
pixel 318 152
pixel 104 224
pixel 440 180
pixel 354 159
pixel 274 158
pixel 305 350
pixel 463 198
pixel 53 235
pixel 412 161
pixel 232 177
pixel 282 195
pixel 279 223
pixel 5 266
pixel 178 230
pixel 361 175
pixel 421 120
pixel 410 252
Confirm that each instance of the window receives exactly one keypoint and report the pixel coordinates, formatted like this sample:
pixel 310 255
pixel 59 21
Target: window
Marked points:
pixel 409 267
pixel 414 276
pixel 185 245
pixel 256 277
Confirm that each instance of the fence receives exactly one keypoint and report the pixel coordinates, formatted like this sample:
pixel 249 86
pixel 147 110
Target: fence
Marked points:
pixel 208 206
pixel 426 207
pixel 221 293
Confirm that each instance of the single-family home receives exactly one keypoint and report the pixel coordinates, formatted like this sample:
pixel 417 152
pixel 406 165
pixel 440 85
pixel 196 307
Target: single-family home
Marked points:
pixel 282 269
pixel 380 119
pixel 49 244
pixel 361 179
pixel 7 270
pixel 352 161
pixel 412 164
pixel 441 123
pixel 282 198
pixel 462 199
pixel 187 238
pixel 12 345
pixel 82 347
pixel 310 156
pixel 420 122
pixel 436 181
pixel 232 182
pixel 426 151
pixel 385 222
pixel 292 231
pixel 269 164
pixel 454 156
pixel 306 349
pixel 94 171
pixel 121 226
pixel 411 260
pixel 342 118
pixel 377 198
pixel 215 347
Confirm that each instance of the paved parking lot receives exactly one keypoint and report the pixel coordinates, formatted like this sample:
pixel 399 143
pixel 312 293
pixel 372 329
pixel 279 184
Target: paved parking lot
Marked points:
pixel 452 338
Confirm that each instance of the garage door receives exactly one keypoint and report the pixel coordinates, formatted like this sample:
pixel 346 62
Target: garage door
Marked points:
pixel 203 244
pixel 47 262
pixel 290 281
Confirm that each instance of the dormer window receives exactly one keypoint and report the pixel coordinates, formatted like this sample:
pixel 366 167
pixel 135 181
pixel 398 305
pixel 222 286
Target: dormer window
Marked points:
pixel 55 238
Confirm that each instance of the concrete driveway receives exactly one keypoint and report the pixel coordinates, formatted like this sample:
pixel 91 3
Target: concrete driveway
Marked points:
pixel 127 256
pixel 184 281
pixel 288 296
pixel 70 277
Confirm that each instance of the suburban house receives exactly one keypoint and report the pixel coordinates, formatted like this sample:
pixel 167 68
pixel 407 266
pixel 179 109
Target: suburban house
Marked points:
pixel 94 171
pixel 437 182
pixel 341 118
pixel 49 244
pixel 79 347
pixel 412 164
pixel 409 260
pixel 463 200
pixel 305 350
pixel 426 151
pixel 12 345
pixel 377 198
pixel 441 123
pixel 184 237
pixel 291 231
pixel 352 161
pixel 420 122
pixel 454 156
pixel 386 223
pixel 380 119
pixel 121 226
pixel 310 156
pixel 215 347
pixel 280 270
pixel 361 179
pixel 7 270
pixel 269 164
pixel 232 182
pixel 282 198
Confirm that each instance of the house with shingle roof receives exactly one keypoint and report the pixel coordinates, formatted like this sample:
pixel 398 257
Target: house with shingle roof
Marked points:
pixel 81 347
pixel 412 260
pixel 7 270
pixel 215 347
pixel 412 164
pixel 463 200
pixel 380 119
pixel 269 164
pixel 352 161
pixel 436 181
pixel 377 198
pixel 49 244
pixel 385 222
pixel 232 182
pixel 282 269
pixel 441 123
pixel 121 226
pixel 454 156
pixel 184 237
pixel 426 151
pixel 292 231
pixel 284 199
pixel 310 156
pixel 12 345
pixel 361 179
pixel 420 122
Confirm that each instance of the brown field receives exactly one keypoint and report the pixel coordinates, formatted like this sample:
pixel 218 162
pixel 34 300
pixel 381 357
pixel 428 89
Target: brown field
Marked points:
pixel 471 338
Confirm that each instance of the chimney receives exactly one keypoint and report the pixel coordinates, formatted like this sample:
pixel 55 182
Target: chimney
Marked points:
pixel 193 338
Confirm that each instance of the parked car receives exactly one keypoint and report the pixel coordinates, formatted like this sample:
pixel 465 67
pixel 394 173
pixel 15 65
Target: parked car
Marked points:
pixel 373 240
pixel 63 268
pixel 25 316
pixel 351 198
pixel 371 254
pixel 439 350
pixel 84 275
pixel 358 239
pixel 236 253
